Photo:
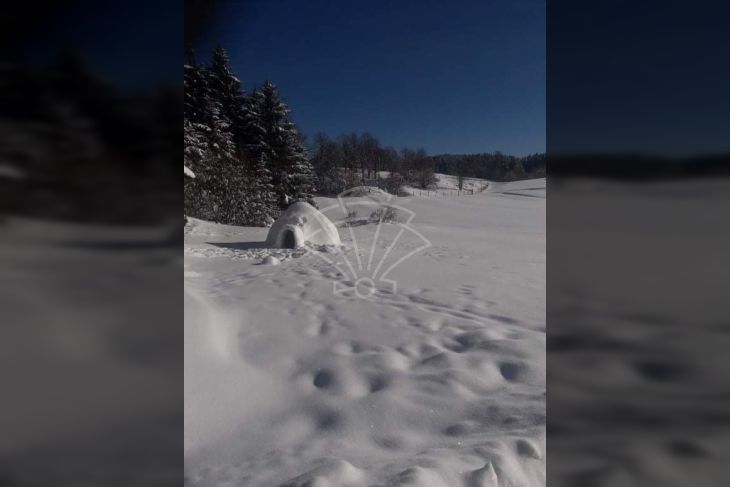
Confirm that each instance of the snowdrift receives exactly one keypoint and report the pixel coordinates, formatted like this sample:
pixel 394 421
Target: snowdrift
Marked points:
pixel 302 223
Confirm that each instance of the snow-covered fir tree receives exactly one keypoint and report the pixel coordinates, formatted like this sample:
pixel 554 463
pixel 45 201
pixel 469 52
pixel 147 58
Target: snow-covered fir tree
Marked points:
pixel 262 202
pixel 195 140
pixel 299 176
pixel 209 152
pixel 248 157
pixel 195 145
pixel 274 134
pixel 225 88
pixel 195 88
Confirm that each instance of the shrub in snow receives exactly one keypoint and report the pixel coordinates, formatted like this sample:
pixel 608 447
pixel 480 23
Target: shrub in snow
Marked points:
pixel 351 219
pixel 385 214
pixel 359 191
pixel 302 223
pixel 394 183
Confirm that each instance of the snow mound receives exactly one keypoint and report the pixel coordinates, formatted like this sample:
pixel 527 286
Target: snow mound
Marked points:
pixel 299 224
pixel 270 260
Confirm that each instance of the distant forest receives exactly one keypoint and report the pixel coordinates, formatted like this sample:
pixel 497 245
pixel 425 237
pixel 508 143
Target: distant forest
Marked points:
pixel 494 166
pixel 351 159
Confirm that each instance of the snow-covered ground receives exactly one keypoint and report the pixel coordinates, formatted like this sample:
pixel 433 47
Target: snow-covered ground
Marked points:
pixel 437 381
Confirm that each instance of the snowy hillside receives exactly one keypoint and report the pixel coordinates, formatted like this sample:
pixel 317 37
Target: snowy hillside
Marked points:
pixel 437 381
pixel 448 185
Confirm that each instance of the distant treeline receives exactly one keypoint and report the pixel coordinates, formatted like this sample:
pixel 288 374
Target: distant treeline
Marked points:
pixel 494 166
pixel 354 159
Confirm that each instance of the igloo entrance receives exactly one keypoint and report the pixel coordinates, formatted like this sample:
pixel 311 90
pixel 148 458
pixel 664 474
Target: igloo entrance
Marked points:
pixel 289 240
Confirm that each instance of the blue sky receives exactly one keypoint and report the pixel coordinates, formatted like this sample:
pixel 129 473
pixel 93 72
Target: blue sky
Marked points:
pixel 448 76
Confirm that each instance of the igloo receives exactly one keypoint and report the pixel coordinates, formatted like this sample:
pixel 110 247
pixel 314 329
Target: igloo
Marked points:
pixel 301 223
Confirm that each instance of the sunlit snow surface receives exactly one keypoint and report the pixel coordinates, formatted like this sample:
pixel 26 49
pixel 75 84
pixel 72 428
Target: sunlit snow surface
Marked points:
pixel 440 382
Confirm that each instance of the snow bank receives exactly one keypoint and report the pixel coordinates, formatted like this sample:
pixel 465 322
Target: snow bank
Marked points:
pixel 301 223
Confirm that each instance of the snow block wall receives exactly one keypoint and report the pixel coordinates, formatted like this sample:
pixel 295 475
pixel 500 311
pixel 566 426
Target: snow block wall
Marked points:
pixel 301 223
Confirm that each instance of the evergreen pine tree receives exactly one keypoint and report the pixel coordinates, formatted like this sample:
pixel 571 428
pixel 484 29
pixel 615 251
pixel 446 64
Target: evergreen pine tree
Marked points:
pixel 262 202
pixel 272 133
pixel 194 131
pixel 195 141
pixel 195 87
pixel 247 156
pixel 210 151
pixel 226 89
pixel 249 196
pixel 299 179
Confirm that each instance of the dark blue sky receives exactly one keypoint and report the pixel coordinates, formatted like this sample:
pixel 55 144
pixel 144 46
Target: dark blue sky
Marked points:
pixel 448 76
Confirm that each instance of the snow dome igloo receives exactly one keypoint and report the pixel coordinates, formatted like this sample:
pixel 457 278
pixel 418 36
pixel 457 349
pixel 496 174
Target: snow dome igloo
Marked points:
pixel 301 223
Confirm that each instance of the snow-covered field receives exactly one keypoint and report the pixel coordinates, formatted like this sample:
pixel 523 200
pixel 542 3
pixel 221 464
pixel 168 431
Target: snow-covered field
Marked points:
pixel 438 381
